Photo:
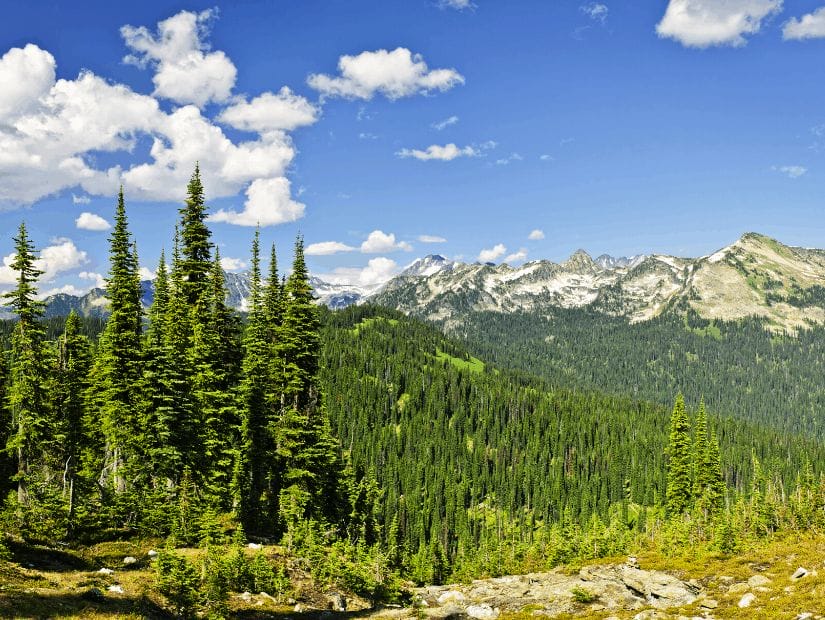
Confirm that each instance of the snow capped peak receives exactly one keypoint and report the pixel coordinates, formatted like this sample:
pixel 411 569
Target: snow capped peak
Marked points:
pixel 427 266
pixel 579 262
pixel 605 261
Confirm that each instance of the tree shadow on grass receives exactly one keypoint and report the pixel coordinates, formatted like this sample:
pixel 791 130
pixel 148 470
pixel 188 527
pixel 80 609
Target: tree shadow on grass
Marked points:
pixel 59 605
pixel 47 559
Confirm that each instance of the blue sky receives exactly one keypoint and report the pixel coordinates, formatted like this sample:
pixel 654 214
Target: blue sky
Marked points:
pixel 616 127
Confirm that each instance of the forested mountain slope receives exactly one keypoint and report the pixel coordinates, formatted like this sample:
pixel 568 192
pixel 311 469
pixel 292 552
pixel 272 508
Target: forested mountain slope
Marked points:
pixel 447 436
pixel 741 368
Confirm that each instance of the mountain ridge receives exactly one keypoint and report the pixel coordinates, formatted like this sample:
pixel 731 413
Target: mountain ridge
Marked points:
pixel 755 275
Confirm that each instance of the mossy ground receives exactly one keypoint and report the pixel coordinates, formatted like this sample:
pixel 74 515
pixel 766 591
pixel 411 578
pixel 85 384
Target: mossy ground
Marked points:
pixel 56 583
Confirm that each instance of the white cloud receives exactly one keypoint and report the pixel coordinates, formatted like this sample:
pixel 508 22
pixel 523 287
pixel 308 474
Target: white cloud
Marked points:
pixel 516 257
pixel 364 135
pixel 59 257
pixel 510 158
pixel 809 26
pixel 703 23
pixel 325 248
pixel 378 242
pixel 91 221
pixel 459 5
pixel 80 200
pixel 271 111
pixel 491 254
pixel 25 75
pixel 431 239
pixel 268 202
pixel 98 281
pixel 232 264
pixel 395 74
pixel 546 157
pixel 66 289
pixel 595 11
pixel 51 129
pixel 448 152
pixel 792 172
pixel 536 235
pixel 378 271
pixel 147 274
pixel 441 125
pixel 185 70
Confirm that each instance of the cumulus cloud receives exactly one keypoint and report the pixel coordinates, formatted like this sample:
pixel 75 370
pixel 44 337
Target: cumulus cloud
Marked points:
pixel 378 242
pixel 395 74
pixel 50 129
pixel 185 70
pixel 595 11
pixel 283 110
pixel 232 264
pixel 91 221
pixel 325 248
pixel 97 279
pixel 59 257
pixel 448 152
pixel 25 75
pixel 704 23
pixel 441 125
pixel 792 172
pixel 144 273
pixel 431 239
pixel 80 200
pixel 809 26
pixel 377 271
pixel 268 202
pixel 517 257
pixel 66 289
pixel 491 254
pixel 536 235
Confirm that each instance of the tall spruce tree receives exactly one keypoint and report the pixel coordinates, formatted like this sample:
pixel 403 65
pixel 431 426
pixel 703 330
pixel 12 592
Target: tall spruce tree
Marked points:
pixel 679 462
pixel 253 466
pixel 311 485
pixel 70 383
pixel 701 473
pixel 32 425
pixel 196 260
pixel 114 393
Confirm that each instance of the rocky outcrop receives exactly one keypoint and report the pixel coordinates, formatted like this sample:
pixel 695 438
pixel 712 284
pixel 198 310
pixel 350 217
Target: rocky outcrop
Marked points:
pixel 594 588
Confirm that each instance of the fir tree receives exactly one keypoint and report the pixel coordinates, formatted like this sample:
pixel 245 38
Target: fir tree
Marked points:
pixel 679 460
pixel 31 424
pixel 117 371
pixel 196 262
pixel 71 382
pixel 253 464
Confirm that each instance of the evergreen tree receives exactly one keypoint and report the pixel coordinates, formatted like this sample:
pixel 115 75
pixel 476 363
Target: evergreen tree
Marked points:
pixel 159 402
pixel 71 382
pixel 253 463
pixel 114 392
pixel 679 460
pixel 31 423
pixel 311 485
pixel 196 261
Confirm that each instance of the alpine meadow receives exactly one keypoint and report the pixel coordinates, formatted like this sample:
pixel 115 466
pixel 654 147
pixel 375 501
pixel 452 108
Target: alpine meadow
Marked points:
pixel 228 391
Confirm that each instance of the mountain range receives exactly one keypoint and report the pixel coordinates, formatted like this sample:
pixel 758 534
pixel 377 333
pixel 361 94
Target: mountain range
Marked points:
pixel 754 276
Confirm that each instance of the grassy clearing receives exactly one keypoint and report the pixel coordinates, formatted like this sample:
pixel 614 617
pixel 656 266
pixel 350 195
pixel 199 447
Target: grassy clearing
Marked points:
pixel 473 364
pixel 372 322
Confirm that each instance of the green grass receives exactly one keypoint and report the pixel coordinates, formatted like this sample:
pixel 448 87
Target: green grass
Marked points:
pixel 371 322
pixel 472 365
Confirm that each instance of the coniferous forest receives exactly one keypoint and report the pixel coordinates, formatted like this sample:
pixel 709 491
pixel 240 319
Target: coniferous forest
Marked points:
pixel 368 444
